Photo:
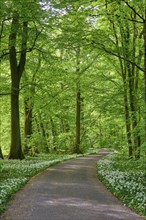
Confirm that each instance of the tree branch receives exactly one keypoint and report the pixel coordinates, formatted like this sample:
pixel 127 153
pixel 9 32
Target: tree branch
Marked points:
pixel 133 9
pixel 121 57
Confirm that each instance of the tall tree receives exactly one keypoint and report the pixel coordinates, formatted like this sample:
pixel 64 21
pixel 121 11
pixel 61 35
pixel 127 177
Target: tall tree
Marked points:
pixel 18 39
pixel 126 47
pixel 17 68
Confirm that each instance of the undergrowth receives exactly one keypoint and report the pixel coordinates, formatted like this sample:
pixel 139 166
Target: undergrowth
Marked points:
pixel 15 173
pixel 126 179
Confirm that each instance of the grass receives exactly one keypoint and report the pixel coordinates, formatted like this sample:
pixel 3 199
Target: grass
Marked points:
pixel 126 179
pixel 14 174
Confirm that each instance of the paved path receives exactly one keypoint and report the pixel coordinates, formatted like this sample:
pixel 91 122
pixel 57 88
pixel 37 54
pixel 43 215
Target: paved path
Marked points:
pixel 68 191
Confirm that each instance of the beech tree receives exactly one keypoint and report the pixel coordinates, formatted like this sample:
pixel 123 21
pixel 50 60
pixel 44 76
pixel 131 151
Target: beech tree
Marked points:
pixel 127 47
pixel 17 68
pixel 19 18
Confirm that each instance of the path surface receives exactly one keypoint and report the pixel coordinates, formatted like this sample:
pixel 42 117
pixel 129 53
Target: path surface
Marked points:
pixel 68 191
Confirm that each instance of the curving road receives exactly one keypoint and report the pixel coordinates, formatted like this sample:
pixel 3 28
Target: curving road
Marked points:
pixel 68 191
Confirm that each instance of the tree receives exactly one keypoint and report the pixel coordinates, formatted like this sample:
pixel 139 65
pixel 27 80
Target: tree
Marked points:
pixel 17 68
pixel 29 92
pixel 126 46
pixel 18 39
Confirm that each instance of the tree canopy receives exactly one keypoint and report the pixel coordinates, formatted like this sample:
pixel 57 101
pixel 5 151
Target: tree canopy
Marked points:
pixel 72 76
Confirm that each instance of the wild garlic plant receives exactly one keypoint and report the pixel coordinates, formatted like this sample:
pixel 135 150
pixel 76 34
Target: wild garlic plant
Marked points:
pixel 126 184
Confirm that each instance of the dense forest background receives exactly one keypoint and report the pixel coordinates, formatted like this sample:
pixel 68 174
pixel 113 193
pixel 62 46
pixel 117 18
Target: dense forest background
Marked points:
pixel 72 76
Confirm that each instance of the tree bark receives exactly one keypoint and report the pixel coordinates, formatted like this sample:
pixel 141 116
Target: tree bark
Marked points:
pixel 28 118
pixel 131 86
pixel 28 123
pixel 16 73
pixel 16 149
pixel 145 79
pixel 78 122
pixel 78 105
pixel 54 133
pixel 1 154
pixel 128 126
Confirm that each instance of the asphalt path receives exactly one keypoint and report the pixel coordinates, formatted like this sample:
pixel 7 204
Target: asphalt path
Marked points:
pixel 68 191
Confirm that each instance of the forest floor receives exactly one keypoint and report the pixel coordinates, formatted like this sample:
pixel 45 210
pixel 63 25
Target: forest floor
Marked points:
pixel 68 191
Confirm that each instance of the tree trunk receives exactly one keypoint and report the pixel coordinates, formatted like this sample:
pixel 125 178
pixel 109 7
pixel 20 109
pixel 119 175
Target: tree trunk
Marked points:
pixel 127 47
pixel 78 122
pixel 145 81
pixel 128 126
pixel 45 147
pixel 16 73
pixel 1 154
pixel 131 79
pixel 78 105
pixel 123 67
pixel 16 148
pixel 28 122
pixel 54 133
pixel 28 118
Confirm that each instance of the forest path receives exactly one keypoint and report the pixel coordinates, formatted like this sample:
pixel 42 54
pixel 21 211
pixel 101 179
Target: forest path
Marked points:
pixel 68 191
